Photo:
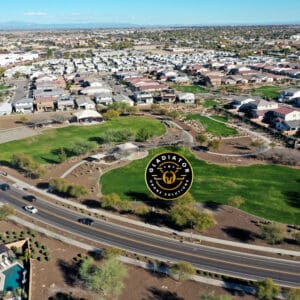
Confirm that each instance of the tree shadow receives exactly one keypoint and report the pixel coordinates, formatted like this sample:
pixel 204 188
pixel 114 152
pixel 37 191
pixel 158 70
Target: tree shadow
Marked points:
pixel 6 163
pixel 64 296
pixel 98 140
pixel 293 198
pixel 69 271
pixel 242 147
pixel 242 235
pixel 155 218
pixel 43 185
pixel 96 254
pixel 157 269
pixel 211 206
pixel 91 203
pixel 159 294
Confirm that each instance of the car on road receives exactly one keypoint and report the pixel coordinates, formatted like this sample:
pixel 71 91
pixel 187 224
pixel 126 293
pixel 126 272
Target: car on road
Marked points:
pixel 30 198
pixel 5 187
pixel 31 209
pixel 86 221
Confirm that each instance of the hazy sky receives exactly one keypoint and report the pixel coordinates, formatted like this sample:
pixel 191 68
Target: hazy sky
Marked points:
pixel 151 12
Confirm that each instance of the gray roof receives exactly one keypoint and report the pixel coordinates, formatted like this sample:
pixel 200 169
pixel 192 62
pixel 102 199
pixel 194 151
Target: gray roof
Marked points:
pixel 23 100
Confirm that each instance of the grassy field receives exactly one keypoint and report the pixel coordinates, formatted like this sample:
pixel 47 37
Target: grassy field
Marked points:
pixel 43 148
pixel 266 194
pixel 209 103
pixel 196 89
pixel 4 87
pixel 269 92
pixel 213 127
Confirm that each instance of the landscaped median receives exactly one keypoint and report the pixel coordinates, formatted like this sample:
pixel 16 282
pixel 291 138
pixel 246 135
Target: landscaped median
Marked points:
pixel 263 187
pixel 47 147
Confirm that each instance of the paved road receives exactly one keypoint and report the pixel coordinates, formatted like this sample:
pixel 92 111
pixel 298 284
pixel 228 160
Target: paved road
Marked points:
pixel 284 272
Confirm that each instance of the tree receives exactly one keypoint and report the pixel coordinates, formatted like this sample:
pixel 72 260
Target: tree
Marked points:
pixel 117 135
pixel 17 75
pixel 66 55
pixel 272 233
pixel 204 221
pixel 112 253
pixel 62 156
pixel 215 144
pixel 173 114
pixel 236 201
pixel 111 201
pixel 82 147
pixel 296 236
pixel 186 199
pixel 266 289
pixel 108 279
pixel 110 114
pixel 49 53
pixel 143 135
pixel 293 294
pixel 182 271
pixel 201 138
pixel 63 186
pixel 2 71
pixel 5 211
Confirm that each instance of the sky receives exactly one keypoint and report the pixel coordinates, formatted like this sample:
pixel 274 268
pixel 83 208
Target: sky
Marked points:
pixel 151 12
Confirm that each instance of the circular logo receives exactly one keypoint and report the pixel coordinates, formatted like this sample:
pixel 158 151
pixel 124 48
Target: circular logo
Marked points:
pixel 169 175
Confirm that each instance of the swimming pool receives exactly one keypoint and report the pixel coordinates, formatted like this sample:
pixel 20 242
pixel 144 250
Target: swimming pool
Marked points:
pixel 13 278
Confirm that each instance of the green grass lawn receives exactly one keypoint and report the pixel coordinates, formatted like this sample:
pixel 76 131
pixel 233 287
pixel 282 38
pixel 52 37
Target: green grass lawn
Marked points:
pixel 196 89
pixel 265 193
pixel 4 87
pixel 270 92
pixel 213 127
pixel 209 103
pixel 42 147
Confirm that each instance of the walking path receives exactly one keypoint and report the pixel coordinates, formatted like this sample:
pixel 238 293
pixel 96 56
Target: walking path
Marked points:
pixel 72 169
pixel 198 237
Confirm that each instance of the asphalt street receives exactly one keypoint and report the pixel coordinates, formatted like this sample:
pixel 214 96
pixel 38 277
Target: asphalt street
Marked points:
pixel 233 263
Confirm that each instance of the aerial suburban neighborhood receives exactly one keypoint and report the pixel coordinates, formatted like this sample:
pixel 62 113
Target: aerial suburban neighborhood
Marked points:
pixel 141 160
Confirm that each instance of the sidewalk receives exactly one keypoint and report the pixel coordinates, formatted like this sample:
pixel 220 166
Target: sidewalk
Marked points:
pixel 198 237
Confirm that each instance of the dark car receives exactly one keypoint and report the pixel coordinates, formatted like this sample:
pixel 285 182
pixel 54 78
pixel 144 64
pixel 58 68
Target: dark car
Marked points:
pixel 29 198
pixel 5 187
pixel 86 221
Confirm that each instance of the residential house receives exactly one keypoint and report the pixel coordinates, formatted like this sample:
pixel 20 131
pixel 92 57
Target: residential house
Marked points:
pixel 141 98
pixel 104 98
pixel 64 103
pixel 44 103
pixel 239 101
pixel 24 105
pixel 168 95
pixel 5 109
pixel 123 98
pixel 85 103
pixel 289 95
pixel 187 98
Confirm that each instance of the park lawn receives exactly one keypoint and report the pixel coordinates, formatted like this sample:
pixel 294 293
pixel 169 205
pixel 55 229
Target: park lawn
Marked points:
pixel 213 127
pixel 195 89
pixel 209 103
pixel 269 92
pixel 43 148
pixel 265 193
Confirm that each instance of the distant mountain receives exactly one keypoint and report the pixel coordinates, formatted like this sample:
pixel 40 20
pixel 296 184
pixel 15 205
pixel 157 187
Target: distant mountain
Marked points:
pixel 36 26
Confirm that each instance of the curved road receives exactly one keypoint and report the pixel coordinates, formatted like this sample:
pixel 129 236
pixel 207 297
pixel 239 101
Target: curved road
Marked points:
pixel 233 263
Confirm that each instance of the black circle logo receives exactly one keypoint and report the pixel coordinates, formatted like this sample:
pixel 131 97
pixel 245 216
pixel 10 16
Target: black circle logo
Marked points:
pixel 169 176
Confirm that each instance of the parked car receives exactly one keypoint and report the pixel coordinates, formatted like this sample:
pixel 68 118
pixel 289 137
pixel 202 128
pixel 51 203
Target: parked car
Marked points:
pixel 31 209
pixel 30 198
pixel 5 187
pixel 86 221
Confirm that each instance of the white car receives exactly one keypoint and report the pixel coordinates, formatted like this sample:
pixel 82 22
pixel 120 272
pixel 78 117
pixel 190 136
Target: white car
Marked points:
pixel 31 209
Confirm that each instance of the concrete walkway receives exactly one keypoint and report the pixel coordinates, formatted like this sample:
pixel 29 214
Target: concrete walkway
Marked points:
pixel 72 168
pixel 127 260
pixel 196 237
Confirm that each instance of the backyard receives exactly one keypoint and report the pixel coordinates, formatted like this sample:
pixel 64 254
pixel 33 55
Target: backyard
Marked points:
pixel 213 127
pixel 195 89
pixel 265 193
pixel 45 148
